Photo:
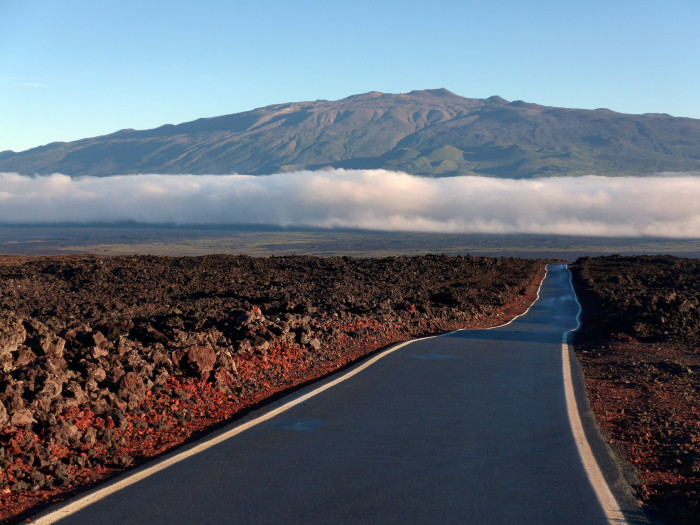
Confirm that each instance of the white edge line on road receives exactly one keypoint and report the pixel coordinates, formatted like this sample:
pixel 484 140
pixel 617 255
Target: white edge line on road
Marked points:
pixel 142 473
pixel 609 504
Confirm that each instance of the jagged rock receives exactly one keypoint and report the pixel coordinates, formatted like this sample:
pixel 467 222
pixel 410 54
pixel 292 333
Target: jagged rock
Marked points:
pixel 12 332
pixel 132 389
pixel 40 405
pixel 116 401
pixel 96 373
pixel 119 418
pixel 223 380
pixel 98 351
pixel 145 369
pixel 99 406
pixel 149 335
pixel 249 317
pixel 161 358
pixel 72 336
pixel 280 328
pixel 116 373
pixel 61 475
pixel 21 417
pixel 260 344
pixel 75 393
pixel 179 393
pixel 24 356
pixel 97 338
pixel 54 346
pixel 177 357
pixel 245 346
pixel 91 387
pixel 124 460
pixel 56 366
pixel 4 418
pixel 37 479
pixel 52 388
pixel 107 436
pixel 161 377
pixel 7 361
pixel 113 328
pixel 64 433
pixel 19 486
pixel 201 359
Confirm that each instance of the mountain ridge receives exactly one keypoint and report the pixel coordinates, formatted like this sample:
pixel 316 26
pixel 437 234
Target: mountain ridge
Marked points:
pixel 424 132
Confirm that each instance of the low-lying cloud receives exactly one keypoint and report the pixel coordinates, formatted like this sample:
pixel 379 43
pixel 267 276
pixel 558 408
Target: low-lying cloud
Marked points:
pixel 665 206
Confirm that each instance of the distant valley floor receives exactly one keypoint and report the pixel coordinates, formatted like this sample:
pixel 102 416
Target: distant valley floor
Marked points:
pixel 179 241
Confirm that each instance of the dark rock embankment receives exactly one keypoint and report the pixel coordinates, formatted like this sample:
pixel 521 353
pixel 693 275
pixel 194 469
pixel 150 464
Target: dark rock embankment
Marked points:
pixel 640 350
pixel 106 361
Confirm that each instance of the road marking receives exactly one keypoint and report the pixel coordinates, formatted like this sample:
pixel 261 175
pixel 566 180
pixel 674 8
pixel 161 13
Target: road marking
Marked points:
pixel 146 471
pixel 611 508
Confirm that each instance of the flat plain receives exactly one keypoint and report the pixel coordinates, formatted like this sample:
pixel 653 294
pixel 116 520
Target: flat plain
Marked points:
pixel 260 241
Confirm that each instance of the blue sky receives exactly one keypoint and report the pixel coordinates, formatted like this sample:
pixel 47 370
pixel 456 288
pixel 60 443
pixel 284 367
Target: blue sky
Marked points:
pixel 72 69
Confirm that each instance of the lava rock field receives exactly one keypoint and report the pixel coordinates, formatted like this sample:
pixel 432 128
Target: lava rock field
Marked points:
pixel 107 361
pixel 639 347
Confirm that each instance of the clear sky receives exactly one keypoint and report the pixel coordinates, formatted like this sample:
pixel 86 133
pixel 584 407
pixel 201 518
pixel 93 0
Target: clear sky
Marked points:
pixel 71 69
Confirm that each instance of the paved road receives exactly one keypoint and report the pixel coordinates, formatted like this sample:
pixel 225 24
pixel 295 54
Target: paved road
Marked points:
pixel 471 427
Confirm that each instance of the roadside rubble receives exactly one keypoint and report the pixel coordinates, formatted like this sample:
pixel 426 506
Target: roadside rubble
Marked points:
pixel 639 347
pixel 107 361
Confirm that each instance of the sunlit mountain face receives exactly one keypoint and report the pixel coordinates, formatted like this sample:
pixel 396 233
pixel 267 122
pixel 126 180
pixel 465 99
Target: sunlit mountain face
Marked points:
pixel 431 133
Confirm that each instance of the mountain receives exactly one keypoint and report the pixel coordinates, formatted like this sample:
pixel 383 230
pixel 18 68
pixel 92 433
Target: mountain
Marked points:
pixel 431 132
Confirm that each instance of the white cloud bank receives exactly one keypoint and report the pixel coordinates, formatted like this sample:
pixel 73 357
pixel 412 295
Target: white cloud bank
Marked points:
pixel 665 206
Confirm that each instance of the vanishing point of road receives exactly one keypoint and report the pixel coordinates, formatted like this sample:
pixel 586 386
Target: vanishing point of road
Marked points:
pixel 474 426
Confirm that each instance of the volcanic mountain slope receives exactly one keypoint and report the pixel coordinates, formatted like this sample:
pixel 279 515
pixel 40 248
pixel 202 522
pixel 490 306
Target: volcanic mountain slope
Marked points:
pixel 431 132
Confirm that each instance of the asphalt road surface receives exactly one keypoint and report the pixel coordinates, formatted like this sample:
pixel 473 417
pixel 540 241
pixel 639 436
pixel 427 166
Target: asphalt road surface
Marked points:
pixel 470 427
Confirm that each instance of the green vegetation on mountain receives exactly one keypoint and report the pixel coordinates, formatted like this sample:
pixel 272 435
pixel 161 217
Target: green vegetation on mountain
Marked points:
pixel 429 133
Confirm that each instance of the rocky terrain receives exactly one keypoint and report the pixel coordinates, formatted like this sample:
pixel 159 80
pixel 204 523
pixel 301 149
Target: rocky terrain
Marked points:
pixel 639 347
pixel 429 132
pixel 107 361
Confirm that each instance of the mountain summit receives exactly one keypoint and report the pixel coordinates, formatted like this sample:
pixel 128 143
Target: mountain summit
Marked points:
pixel 429 132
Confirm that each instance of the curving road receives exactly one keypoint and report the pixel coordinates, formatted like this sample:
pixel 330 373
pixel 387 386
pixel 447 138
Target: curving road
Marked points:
pixel 469 427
